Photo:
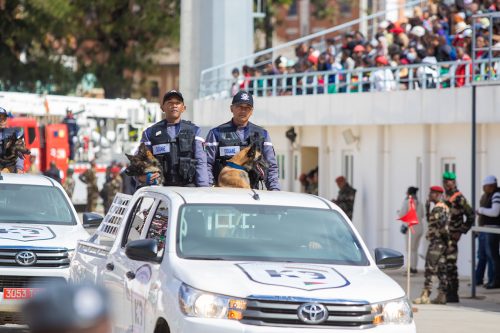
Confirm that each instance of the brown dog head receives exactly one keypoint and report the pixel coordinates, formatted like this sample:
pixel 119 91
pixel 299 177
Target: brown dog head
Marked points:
pixel 15 147
pixel 142 162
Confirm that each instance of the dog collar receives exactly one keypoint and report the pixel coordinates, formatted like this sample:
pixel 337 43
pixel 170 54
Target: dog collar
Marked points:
pixel 235 166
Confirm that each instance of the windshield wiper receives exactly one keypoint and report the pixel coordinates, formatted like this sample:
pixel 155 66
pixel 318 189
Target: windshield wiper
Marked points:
pixel 204 258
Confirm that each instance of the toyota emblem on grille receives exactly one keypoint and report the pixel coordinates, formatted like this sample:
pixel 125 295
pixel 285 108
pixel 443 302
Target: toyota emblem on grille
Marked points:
pixel 26 258
pixel 312 313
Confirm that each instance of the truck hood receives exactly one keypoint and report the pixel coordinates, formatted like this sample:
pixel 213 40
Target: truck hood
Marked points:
pixel 38 235
pixel 244 279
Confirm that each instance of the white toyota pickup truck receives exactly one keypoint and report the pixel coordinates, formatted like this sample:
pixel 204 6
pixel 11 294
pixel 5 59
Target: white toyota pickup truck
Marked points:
pixel 39 230
pixel 214 260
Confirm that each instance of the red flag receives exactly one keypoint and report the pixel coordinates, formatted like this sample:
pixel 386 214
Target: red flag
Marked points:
pixel 411 216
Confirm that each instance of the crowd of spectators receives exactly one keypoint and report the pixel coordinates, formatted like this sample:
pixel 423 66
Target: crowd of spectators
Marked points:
pixel 440 32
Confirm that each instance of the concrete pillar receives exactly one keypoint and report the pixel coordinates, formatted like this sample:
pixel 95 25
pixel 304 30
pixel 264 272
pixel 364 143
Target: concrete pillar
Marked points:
pixel 213 32
pixel 387 216
pixel 323 163
pixel 304 17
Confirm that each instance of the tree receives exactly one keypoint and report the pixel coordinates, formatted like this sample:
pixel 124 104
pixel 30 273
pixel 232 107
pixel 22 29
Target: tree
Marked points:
pixel 119 38
pixel 43 40
pixel 28 59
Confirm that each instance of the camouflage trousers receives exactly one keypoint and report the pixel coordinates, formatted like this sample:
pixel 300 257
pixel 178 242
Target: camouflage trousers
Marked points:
pixel 435 265
pixel 451 264
pixel 92 196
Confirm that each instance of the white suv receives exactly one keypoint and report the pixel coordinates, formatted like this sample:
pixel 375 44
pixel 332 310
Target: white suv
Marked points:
pixel 39 229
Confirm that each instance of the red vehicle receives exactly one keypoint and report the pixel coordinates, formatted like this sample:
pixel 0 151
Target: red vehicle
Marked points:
pixel 47 143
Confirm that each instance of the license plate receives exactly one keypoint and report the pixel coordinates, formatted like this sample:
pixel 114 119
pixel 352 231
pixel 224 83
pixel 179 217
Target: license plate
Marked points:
pixel 19 293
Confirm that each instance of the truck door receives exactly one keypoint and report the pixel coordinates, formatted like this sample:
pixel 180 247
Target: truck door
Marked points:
pixel 144 287
pixel 56 147
pixel 119 269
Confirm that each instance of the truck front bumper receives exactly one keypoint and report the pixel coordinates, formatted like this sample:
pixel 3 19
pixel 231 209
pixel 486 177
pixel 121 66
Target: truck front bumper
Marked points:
pixel 26 278
pixel 198 325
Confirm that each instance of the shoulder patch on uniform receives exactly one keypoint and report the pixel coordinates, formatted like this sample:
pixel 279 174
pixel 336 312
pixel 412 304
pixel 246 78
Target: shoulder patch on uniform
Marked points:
pixel 158 133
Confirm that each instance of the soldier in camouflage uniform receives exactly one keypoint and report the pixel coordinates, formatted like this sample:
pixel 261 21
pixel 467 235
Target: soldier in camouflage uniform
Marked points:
pixel 112 187
pixel 435 260
pixel 89 177
pixel 457 225
pixel 345 199
pixel 69 183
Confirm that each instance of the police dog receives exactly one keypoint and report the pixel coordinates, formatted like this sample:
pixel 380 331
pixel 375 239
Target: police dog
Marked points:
pixel 143 163
pixel 14 148
pixel 239 170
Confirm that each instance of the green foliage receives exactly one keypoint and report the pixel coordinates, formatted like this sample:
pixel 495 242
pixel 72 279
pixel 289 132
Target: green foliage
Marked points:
pixel 110 38
pixel 322 10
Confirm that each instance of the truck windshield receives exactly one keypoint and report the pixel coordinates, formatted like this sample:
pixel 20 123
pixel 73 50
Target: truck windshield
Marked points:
pixel 267 233
pixel 32 204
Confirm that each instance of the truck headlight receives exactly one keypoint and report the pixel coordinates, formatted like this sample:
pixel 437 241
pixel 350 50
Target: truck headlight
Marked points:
pixel 397 311
pixel 197 303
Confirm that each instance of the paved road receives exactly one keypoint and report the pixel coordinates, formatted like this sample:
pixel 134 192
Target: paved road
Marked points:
pixel 481 314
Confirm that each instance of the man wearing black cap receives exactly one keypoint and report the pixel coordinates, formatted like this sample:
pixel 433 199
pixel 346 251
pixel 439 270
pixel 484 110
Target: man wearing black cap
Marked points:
pixel 63 308
pixel 227 139
pixel 6 133
pixel 177 145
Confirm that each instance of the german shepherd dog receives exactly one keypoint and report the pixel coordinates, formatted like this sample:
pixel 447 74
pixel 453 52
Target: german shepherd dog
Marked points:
pixel 14 148
pixel 242 167
pixel 144 162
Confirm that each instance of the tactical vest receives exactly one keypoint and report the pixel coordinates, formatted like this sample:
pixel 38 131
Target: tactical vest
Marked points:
pixel 488 220
pixel 230 144
pixel 6 134
pixel 176 155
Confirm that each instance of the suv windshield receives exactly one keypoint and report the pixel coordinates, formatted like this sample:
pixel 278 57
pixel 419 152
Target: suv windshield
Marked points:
pixel 32 204
pixel 267 233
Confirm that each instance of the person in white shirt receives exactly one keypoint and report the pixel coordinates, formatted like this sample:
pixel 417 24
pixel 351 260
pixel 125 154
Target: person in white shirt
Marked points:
pixel 382 79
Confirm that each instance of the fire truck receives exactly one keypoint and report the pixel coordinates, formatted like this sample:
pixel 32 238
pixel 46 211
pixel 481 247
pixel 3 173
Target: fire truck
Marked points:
pixel 107 130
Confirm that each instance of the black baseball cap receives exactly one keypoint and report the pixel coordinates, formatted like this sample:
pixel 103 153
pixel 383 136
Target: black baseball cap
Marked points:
pixel 172 93
pixel 243 97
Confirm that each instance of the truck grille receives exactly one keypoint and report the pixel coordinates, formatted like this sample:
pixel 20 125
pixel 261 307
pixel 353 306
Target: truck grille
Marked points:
pixel 11 318
pixel 45 257
pixel 7 281
pixel 346 314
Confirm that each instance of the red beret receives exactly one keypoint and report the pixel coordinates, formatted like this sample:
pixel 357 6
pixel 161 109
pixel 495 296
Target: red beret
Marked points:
pixel 115 169
pixel 437 189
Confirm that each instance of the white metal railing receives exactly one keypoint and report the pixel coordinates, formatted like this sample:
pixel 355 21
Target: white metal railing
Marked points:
pixel 440 75
pixel 221 72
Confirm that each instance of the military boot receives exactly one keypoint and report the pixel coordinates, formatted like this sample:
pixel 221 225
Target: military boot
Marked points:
pixel 424 298
pixel 452 294
pixel 440 299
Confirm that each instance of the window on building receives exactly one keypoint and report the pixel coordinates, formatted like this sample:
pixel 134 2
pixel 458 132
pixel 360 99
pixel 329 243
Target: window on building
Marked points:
pixel 280 158
pixel 419 173
pixel 348 166
pixel 292 10
pixel 345 7
pixel 155 89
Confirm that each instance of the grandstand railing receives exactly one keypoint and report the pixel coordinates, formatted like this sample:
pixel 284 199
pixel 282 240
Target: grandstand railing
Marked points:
pixel 223 71
pixel 407 77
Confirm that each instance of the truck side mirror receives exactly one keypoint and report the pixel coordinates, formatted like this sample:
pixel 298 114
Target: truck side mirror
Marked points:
pixel 388 259
pixel 142 250
pixel 92 220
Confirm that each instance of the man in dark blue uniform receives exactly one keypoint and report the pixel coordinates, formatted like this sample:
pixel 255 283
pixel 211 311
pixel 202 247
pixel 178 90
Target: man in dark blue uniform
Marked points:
pixel 6 133
pixel 225 140
pixel 73 129
pixel 178 146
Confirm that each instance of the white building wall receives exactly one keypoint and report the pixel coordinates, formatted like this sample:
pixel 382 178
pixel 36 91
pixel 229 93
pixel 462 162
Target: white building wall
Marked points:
pixel 396 131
